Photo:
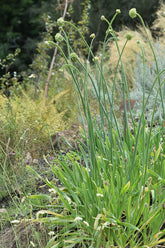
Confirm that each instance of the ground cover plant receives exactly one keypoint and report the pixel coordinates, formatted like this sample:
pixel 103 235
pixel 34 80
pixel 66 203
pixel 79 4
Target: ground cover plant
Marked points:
pixel 110 191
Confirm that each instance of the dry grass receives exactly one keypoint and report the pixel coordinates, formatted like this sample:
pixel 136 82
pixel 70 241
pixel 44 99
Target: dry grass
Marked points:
pixel 133 48
pixel 159 25
pixel 130 52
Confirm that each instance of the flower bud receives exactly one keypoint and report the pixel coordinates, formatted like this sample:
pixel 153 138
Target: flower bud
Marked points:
pixel 109 31
pixel 118 11
pixel 103 18
pixel 59 37
pixel 128 36
pixel 73 57
pixel 60 21
pixel 132 13
pixel 96 58
pixel 92 36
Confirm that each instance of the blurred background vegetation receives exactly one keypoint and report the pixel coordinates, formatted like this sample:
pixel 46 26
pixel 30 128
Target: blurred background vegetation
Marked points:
pixel 24 23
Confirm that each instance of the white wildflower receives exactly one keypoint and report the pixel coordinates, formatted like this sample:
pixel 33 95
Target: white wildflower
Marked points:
pixel 68 199
pixel 78 219
pixel 15 221
pixel 32 75
pixel 51 233
pixel 33 245
pixel 86 223
pixel 99 195
pixel 52 191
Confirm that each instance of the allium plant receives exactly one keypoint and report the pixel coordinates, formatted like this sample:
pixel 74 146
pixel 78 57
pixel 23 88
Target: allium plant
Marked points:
pixel 112 188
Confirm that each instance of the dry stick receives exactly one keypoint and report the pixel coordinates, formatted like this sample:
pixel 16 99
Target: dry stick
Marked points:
pixel 53 59
pixel 130 102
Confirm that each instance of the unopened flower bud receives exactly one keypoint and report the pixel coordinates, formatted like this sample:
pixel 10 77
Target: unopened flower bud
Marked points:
pixel 73 57
pixel 103 18
pixel 132 13
pixel 118 11
pixel 59 37
pixel 128 36
pixel 92 36
pixel 96 58
pixel 60 21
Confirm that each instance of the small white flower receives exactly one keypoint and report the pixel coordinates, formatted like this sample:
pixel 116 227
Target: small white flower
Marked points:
pixel 32 76
pixel 15 221
pixel 15 74
pixel 61 70
pixel 99 195
pixel 33 245
pixel 51 233
pixel 86 223
pixel 68 199
pixel 78 219
pixel 52 191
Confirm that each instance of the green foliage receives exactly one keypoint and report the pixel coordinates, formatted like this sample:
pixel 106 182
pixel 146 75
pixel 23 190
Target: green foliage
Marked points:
pixel 7 80
pixel 82 22
pixel 110 192
pixel 23 118
pixel 112 189
pixel 22 27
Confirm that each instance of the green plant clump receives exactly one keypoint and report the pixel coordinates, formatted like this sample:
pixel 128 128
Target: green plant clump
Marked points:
pixel 111 191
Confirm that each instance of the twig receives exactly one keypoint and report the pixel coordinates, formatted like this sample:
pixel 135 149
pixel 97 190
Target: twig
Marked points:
pixel 53 59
